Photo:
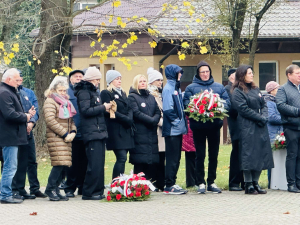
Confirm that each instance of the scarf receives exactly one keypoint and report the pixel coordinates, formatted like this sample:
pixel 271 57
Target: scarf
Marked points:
pixel 155 91
pixel 66 108
pixel 118 90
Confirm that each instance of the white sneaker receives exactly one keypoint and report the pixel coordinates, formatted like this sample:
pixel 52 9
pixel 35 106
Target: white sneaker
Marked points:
pixel 201 189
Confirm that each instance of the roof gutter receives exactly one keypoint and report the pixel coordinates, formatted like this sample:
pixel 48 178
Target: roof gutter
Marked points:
pixel 166 56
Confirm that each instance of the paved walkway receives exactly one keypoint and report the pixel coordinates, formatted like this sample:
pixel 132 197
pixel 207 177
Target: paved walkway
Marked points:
pixel 225 208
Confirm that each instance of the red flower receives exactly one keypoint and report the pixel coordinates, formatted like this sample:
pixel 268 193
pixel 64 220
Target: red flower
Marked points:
pixel 282 142
pixel 201 111
pixel 146 187
pixel 204 102
pixel 147 193
pixel 282 134
pixel 215 105
pixel 118 197
pixel 211 114
pixel 113 185
pixel 108 192
pixel 191 110
pixel 136 178
pixel 138 194
pixel 131 195
pixel 143 178
pixel 139 189
pixel 190 106
pixel 108 198
pixel 195 100
pixel 122 183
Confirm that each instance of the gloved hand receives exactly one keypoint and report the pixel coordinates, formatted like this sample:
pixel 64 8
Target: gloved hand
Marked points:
pixel 70 137
pixel 263 122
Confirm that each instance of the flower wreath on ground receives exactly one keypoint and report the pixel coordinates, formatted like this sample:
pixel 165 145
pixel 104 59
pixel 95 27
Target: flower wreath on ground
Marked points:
pixel 127 188
pixel 206 106
pixel 280 142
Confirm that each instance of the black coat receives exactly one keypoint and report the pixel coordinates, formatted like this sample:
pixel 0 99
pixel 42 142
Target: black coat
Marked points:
pixel 119 129
pixel 12 118
pixel 255 148
pixel 232 119
pixel 91 111
pixel 146 116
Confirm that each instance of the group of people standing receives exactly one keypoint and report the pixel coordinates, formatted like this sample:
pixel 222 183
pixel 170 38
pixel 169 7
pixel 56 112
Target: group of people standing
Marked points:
pixel 151 125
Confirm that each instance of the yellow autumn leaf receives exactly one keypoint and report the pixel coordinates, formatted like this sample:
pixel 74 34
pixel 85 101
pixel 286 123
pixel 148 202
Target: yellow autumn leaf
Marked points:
pixel 175 19
pixel 120 51
pixel 7 61
pixel 191 12
pixel 61 73
pixel 135 63
pixel 190 31
pixel 2 46
pixel 92 44
pixel 17 36
pixel 116 3
pixel 115 42
pixel 110 19
pixel 186 3
pixel 129 67
pixel 134 37
pixel 114 54
pixel 66 57
pixel 29 63
pixel 56 51
pixel 181 57
pixel 124 45
pixel 172 41
pixel 96 31
pixel 103 24
pixel 54 71
pixel 39 62
pixel 213 33
pixel 99 39
pixel 175 7
pixel 129 41
pixel 102 45
pixel 203 50
pixel 87 8
pixel 185 45
pixel 11 55
pixel 144 19
pixel 119 18
pixel 153 44
pixel 123 25
pixel 202 15
pixel 101 61
pixel 198 20
pixel 199 43
pixel 162 66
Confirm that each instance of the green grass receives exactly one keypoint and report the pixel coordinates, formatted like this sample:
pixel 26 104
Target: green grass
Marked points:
pixel 44 168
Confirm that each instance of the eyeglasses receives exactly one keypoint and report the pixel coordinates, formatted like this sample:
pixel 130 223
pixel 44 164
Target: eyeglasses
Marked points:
pixel 203 72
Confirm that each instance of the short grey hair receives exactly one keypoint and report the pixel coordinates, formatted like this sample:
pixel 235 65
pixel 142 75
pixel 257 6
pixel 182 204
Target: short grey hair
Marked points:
pixel 9 73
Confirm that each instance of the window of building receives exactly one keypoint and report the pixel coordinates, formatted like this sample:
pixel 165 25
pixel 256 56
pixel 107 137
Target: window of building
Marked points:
pixel 297 62
pixel 268 71
pixel 188 75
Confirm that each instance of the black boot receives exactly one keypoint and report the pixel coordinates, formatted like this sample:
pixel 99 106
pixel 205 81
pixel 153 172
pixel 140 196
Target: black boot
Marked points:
pixel 61 197
pixel 249 189
pixel 52 195
pixel 258 189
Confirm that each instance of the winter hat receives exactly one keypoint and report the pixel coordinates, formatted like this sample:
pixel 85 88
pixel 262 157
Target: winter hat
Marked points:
pixel 111 75
pixel 272 85
pixel 75 71
pixel 231 71
pixel 153 75
pixel 92 73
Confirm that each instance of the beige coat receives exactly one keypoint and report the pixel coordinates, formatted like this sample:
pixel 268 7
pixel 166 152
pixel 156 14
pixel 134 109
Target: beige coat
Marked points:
pixel 60 151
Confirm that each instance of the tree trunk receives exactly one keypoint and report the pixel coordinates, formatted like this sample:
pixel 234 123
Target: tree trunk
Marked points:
pixel 55 34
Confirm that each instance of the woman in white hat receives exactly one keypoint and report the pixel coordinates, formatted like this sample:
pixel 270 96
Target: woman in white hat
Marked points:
pixel 120 136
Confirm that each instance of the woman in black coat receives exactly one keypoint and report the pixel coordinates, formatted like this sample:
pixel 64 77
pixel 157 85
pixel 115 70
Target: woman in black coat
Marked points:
pixel 94 133
pixel 120 138
pixel 256 153
pixel 146 116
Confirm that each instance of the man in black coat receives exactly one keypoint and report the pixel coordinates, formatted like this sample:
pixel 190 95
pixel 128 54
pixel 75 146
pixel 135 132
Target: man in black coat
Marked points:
pixel 288 104
pixel 235 174
pixel 13 121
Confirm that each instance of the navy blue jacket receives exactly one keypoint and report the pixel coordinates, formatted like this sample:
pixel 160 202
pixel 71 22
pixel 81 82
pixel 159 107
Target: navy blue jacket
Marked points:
pixel 76 118
pixel 173 115
pixel 199 85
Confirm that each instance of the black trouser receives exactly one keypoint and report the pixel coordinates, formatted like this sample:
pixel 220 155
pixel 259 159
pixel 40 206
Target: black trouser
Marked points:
pixel 94 178
pixel 190 169
pixel 160 172
pixel 76 173
pixel 26 163
pixel 213 139
pixel 235 173
pixel 251 175
pixel 148 169
pixel 173 156
pixel 1 159
pixel 293 156
pixel 119 167
pixel 54 178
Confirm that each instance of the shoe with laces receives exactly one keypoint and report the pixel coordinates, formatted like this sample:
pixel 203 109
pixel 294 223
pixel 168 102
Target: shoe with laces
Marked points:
pixel 214 188
pixel 173 190
pixel 52 195
pixel 201 189
pixel 180 188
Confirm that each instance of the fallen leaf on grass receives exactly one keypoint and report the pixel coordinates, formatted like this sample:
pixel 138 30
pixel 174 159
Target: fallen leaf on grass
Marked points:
pixel 287 212
pixel 33 214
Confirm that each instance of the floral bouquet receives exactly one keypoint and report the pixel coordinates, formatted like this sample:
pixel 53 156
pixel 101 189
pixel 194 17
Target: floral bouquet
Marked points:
pixel 280 142
pixel 206 106
pixel 127 188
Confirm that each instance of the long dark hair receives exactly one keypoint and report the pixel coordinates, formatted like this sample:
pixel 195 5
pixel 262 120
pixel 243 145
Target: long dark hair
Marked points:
pixel 240 74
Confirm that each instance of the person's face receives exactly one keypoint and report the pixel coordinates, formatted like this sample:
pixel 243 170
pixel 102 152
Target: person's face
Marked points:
pixel 274 92
pixel 179 76
pixel 204 73
pixel 13 80
pixel 157 83
pixel 117 82
pixel 142 83
pixel 249 76
pixel 232 78
pixel 61 90
pixel 20 81
pixel 76 78
pixel 95 82
pixel 295 76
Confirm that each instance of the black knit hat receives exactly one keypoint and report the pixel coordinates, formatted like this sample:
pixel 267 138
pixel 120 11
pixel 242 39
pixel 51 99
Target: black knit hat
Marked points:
pixel 231 71
pixel 75 71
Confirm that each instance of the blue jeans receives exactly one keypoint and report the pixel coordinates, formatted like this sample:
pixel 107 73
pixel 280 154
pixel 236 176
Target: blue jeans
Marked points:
pixel 10 157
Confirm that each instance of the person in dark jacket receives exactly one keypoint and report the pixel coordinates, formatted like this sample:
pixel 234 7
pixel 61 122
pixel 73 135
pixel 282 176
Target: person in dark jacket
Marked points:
pixel 202 81
pixel 274 118
pixel 288 104
pixel 27 153
pixel 93 131
pixel 76 173
pixel 13 121
pixel 120 137
pixel 146 116
pixel 255 148
pixel 235 173
pixel 174 127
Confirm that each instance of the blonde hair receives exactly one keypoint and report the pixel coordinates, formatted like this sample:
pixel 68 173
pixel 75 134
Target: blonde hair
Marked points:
pixel 135 83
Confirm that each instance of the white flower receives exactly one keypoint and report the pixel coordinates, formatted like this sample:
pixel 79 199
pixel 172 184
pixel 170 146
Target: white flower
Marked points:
pixel 134 183
pixel 114 189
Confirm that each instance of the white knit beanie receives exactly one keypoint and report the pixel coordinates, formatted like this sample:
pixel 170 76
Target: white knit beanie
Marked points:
pixel 92 73
pixel 111 75
pixel 153 75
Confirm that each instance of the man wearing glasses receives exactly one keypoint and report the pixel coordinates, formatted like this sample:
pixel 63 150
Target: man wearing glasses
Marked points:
pixel 204 80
